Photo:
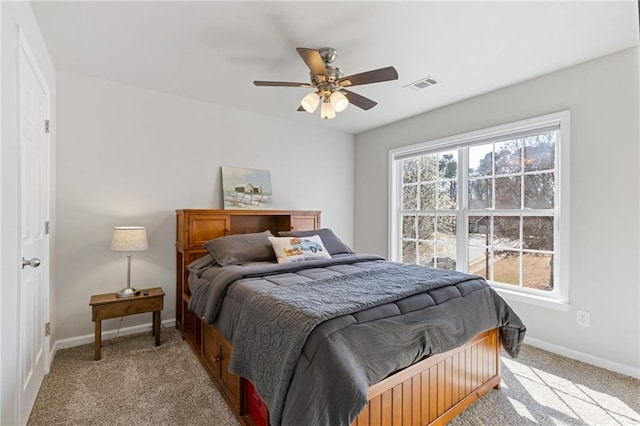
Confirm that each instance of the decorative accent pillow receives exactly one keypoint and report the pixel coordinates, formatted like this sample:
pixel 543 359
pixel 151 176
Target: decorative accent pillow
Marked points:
pixel 294 249
pixel 241 248
pixel 330 240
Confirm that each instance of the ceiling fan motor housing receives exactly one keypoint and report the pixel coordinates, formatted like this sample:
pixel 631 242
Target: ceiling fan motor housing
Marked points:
pixel 328 54
pixel 327 83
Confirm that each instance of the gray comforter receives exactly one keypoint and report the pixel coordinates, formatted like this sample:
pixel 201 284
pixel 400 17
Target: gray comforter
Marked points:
pixel 342 324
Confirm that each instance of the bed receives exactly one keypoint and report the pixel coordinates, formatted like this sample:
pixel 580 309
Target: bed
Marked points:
pixel 418 390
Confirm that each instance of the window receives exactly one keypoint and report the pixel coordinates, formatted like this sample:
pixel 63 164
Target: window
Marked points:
pixel 488 203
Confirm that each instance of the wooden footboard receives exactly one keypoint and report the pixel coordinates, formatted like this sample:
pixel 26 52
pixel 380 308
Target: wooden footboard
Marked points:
pixel 430 392
pixel 438 388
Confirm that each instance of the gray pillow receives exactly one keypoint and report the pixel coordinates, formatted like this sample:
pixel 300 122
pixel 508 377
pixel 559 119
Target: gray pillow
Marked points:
pixel 200 264
pixel 241 248
pixel 331 242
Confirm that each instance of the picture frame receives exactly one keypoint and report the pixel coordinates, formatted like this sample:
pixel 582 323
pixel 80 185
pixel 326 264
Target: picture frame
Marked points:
pixel 246 188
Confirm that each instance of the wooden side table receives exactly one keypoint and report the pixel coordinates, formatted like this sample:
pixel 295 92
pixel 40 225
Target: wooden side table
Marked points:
pixel 105 306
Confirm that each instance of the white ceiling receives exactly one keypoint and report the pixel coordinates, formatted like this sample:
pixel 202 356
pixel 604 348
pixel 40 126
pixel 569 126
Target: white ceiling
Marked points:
pixel 212 51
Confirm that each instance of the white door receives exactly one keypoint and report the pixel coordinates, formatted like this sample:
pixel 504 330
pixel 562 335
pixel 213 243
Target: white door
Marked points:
pixel 33 109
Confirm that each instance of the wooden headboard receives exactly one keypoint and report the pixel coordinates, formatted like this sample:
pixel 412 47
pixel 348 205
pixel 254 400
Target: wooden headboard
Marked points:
pixel 194 227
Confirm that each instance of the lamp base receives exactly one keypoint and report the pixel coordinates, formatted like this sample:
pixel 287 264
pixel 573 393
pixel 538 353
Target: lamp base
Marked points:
pixel 127 292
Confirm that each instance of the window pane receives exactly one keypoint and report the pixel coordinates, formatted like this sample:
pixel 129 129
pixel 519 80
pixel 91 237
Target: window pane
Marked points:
pixel 507 157
pixel 537 271
pixel 408 251
pixel 426 227
pixel 410 171
pixel 409 197
pixel 479 261
pixel 506 231
pixel 446 258
pixel 448 165
pixel 425 250
pixel 539 191
pixel 408 226
pixel 506 267
pixel 446 228
pixel 539 152
pixel 537 233
pixel 481 160
pixel 480 194
pixel 479 230
pixel 427 196
pixel 508 193
pixel 428 167
pixel 447 195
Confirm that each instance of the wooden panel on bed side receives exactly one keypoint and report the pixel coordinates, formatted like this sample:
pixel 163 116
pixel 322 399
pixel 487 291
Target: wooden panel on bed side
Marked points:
pixel 216 352
pixel 435 390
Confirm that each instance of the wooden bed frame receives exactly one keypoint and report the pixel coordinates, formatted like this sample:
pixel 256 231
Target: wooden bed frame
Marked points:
pixel 430 392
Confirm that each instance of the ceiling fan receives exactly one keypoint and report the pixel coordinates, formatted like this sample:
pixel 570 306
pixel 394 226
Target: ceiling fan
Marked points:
pixel 330 85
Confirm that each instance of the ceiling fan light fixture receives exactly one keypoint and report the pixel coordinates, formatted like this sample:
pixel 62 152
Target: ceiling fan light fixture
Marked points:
pixel 326 111
pixel 310 102
pixel 329 84
pixel 339 101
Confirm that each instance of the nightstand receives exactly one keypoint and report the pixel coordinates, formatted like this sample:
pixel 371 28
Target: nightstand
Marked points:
pixel 105 306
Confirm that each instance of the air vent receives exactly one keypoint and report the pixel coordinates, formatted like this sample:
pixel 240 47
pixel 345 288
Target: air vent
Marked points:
pixel 423 83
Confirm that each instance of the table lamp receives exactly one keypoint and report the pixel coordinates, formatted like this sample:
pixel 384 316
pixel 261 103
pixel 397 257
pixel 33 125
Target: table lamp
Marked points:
pixel 128 239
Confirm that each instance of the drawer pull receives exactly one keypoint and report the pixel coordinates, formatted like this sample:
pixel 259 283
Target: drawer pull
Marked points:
pixel 215 359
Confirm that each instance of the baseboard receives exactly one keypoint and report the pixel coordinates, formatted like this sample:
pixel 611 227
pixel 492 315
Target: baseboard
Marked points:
pixel 106 335
pixel 556 349
pixel 627 370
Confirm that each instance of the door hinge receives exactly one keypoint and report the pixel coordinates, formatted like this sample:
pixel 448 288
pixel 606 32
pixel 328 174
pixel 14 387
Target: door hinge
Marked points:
pixel 47 328
pixel 46 228
pixel 46 126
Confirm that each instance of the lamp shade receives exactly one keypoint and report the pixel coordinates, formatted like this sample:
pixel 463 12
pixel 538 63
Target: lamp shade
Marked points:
pixel 310 102
pixel 339 101
pixel 326 111
pixel 129 238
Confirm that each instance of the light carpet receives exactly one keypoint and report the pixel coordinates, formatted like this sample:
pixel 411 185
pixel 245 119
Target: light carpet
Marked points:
pixel 136 383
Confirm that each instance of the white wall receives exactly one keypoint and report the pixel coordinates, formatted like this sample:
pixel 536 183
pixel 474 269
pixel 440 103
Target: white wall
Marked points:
pixel 14 15
pixel 130 156
pixel 602 96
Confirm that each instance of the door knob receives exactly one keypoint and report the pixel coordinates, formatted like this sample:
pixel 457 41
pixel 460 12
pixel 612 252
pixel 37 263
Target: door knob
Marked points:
pixel 34 263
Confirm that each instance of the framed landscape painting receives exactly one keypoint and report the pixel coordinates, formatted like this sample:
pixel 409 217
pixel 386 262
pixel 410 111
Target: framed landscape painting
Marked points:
pixel 246 188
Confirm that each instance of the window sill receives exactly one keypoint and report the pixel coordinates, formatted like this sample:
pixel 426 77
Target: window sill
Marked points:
pixel 530 299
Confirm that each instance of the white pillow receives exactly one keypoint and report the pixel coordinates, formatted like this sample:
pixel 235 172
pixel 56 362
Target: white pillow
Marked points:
pixel 296 249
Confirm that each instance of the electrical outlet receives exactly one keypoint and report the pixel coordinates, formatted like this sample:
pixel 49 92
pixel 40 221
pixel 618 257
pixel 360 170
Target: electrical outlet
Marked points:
pixel 583 319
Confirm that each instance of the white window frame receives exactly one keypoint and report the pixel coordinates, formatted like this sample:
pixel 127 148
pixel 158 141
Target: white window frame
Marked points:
pixel 557 299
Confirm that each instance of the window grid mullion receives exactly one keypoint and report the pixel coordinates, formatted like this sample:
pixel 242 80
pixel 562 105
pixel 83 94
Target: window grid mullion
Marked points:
pixel 520 251
pixel 462 217
pixel 492 253
pixel 521 224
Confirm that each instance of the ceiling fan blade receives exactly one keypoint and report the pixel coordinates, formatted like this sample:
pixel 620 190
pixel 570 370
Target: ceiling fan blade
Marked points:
pixel 301 109
pixel 375 76
pixel 359 100
pixel 281 84
pixel 313 60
